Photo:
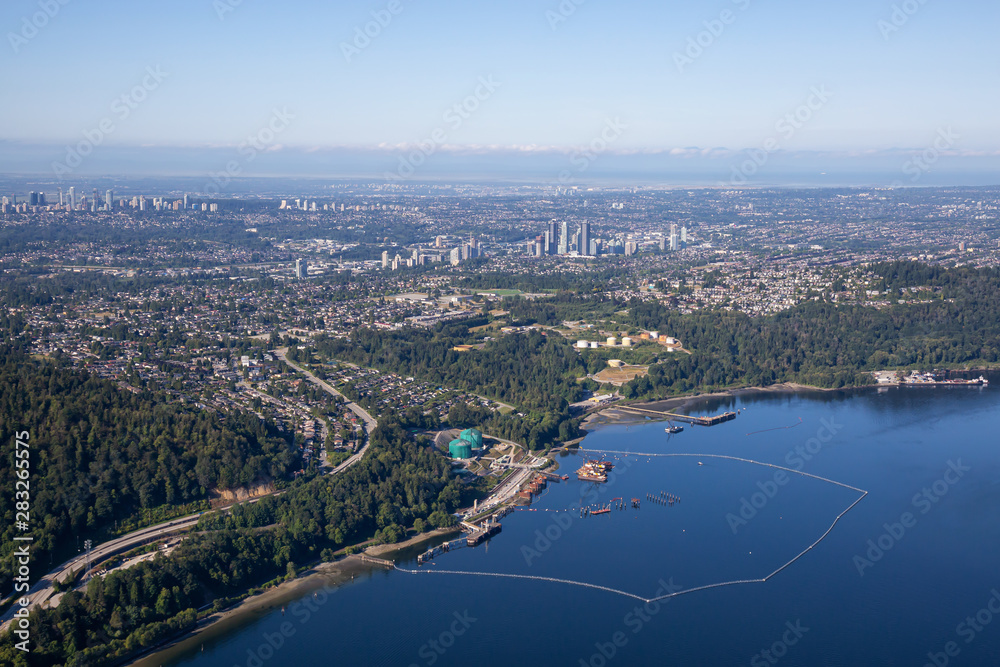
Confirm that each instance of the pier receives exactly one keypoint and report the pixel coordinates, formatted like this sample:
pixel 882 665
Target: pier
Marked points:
pixel 365 558
pixel 722 584
pixel 673 416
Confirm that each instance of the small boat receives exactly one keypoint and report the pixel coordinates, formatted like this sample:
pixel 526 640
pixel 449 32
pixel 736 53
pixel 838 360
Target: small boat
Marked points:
pixel 674 429
pixel 700 463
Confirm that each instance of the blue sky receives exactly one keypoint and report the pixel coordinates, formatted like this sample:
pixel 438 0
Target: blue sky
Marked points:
pixel 559 82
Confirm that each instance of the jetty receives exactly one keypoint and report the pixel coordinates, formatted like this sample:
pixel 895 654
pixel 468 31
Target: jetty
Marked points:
pixel 365 558
pixel 673 416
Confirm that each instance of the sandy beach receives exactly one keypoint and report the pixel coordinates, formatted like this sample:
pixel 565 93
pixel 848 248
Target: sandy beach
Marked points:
pixel 325 576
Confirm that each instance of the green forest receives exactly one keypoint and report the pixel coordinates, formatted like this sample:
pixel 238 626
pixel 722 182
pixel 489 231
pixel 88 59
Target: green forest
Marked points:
pixel 401 484
pixel 102 456
pixel 831 345
pixel 536 373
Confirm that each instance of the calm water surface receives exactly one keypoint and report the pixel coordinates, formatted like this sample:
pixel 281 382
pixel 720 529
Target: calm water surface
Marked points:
pixel 894 580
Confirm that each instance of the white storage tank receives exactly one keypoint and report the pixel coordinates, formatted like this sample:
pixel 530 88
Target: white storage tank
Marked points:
pixel 582 344
pixel 594 345
pixel 611 341
pixel 626 342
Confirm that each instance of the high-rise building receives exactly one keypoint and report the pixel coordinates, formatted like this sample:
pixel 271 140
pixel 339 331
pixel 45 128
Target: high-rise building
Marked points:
pixel 301 269
pixel 185 202
pixel 109 199
pixel 455 256
pixel 385 259
pixel 41 199
pixel 142 203
pixel 673 237
pixel 563 239
pixel 550 247
pixel 61 202
pixel 584 243
pixel 684 234
pixel 33 198
pixel 72 198
pixel 631 248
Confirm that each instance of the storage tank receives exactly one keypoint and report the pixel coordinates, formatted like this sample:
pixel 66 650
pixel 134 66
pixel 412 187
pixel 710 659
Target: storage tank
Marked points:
pixel 582 344
pixel 626 342
pixel 611 341
pixel 594 345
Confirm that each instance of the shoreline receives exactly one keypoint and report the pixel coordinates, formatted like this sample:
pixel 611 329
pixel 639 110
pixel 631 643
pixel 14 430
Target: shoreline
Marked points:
pixel 612 415
pixel 322 576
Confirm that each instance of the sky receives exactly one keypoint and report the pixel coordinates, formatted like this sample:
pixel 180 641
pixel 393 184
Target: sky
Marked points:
pixel 844 80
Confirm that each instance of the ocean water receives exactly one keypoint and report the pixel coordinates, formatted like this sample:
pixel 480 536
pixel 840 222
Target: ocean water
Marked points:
pixel 906 577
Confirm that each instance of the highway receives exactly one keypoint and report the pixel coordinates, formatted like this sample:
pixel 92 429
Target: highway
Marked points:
pixel 42 591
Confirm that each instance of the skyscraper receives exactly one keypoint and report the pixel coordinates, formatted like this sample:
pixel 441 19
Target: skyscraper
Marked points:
pixel 584 238
pixel 61 202
pixel 33 198
pixel 673 237
pixel 185 202
pixel 385 259
pixel 550 248
pixel 563 239
pixel 684 235
pixel 301 269
pixel 108 196
pixel 72 198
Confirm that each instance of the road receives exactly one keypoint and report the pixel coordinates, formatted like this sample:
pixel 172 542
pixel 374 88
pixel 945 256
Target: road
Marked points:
pixel 369 421
pixel 42 591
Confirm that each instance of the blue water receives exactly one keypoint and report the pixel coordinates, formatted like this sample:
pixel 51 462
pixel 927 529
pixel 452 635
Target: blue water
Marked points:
pixel 905 602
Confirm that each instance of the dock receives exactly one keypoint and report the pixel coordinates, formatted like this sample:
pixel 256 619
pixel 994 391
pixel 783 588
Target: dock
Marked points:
pixel 365 558
pixel 687 419
pixel 486 531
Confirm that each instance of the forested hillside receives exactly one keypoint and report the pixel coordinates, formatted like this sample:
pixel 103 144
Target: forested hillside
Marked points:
pixel 101 455
pixel 828 344
pixel 400 484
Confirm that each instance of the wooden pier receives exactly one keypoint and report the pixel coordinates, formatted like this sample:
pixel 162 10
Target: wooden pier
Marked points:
pixel 673 416
pixel 365 558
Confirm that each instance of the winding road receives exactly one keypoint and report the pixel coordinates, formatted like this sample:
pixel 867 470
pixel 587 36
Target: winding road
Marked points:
pixel 43 589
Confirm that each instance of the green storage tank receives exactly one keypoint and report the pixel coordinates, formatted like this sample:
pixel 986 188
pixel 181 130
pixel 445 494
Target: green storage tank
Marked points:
pixel 473 437
pixel 460 449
